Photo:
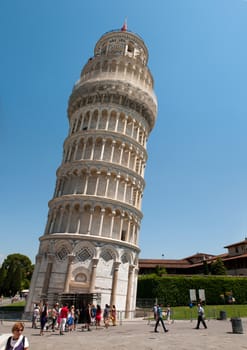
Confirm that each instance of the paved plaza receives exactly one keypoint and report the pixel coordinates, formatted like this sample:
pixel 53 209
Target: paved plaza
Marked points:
pixel 138 334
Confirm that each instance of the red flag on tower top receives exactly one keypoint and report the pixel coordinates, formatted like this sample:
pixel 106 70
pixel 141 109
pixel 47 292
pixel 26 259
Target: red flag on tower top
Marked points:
pixel 124 27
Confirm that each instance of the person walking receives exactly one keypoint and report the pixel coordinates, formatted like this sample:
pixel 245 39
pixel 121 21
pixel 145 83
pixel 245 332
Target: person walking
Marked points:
pixel 168 314
pixel 88 317
pixel 93 315
pixel 159 319
pixel 200 317
pixel 106 315
pixel 17 340
pixel 35 317
pixel 54 315
pixel 63 318
pixel 98 316
pixel 43 317
pixel 155 311
pixel 113 315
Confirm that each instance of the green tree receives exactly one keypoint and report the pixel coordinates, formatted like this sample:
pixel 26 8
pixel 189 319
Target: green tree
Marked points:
pixel 160 271
pixel 218 267
pixel 15 274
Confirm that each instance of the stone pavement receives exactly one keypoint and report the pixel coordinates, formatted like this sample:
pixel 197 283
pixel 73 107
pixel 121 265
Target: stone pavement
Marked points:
pixel 138 334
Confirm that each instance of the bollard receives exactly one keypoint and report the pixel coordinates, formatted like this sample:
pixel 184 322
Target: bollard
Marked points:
pixel 222 315
pixel 237 325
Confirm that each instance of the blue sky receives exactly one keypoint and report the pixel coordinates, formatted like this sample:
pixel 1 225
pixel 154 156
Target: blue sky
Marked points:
pixel 196 176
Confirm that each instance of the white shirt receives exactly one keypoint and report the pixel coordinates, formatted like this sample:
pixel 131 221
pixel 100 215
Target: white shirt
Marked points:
pixel 14 343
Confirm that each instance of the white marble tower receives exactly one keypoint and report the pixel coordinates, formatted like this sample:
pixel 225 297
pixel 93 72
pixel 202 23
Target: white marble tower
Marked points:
pixel 90 244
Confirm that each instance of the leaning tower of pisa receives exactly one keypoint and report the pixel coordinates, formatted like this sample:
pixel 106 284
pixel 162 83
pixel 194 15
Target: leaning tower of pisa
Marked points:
pixel 89 250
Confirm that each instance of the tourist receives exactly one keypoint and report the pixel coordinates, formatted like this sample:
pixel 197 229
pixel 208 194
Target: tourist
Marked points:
pixel 155 311
pixel 159 319
pixel 54 316
pixel 70 319
pixel 106 315
pixel 63 318
pixel 200 318
pixel 17 340
pixel 93 314
pixel 168 314
pixel 113 315
pixel 98 316
pixel 35 316
pixel 43 317
pixel 88 317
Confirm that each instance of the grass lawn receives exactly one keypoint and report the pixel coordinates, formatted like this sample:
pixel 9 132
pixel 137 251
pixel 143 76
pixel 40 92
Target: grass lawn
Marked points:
pixel 211 311
pixel 13 307
pixel 17 303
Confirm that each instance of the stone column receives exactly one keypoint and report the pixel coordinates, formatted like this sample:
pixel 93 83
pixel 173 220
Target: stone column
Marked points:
pixel 61 212
pixel 48 224
pixel 79 221
pixel 83 149
pixel 76 149
pixel 114 283
pixel 97 123
pixel 133 128
pixel 71 258
pixel 138 132
pixel 137 231
pixel 86 184
pixel 129 156
pixel 112 150
pixel 50 258
pixel 30 301
pixel 90 221
pixel 135 160
pixel 69 220
pixel 125 188
pixel 121 226
pixel 129 290
pixel 52 222
pixel 82 122
pixel 97 182
pixel 93 275
pixel 92 150
pixel 107 183
pixel 117 184
pixel 89 121
pixel 70 150
pixel 102 214
pixel 112 223
pixel 102 149
pixel 125 124
pixel 117 121
pixel 121 153
pixel 107 122
pixel 76 124
pixel 128 230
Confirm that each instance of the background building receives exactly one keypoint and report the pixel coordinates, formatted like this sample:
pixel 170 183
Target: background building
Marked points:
pixel 89 250
pixel 235 262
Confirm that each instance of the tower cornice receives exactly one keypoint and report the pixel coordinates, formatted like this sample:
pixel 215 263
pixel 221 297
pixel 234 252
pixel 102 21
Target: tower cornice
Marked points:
pixel 128 95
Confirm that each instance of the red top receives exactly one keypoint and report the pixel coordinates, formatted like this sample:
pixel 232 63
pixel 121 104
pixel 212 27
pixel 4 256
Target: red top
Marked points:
pixel 64 312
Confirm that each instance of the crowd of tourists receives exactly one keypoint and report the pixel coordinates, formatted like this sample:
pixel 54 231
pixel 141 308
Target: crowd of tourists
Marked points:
pixel 65 318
